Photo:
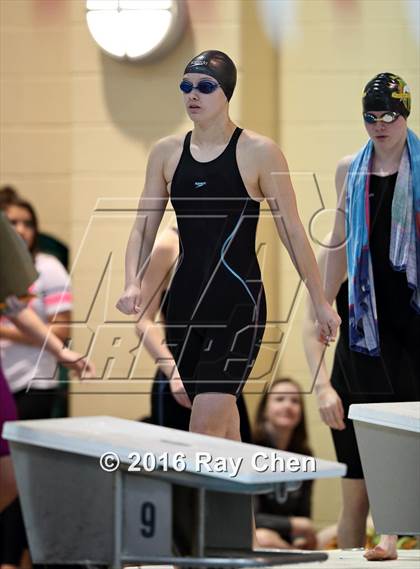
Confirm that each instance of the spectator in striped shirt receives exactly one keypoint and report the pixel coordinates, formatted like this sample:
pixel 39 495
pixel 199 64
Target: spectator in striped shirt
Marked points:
pixel 31 371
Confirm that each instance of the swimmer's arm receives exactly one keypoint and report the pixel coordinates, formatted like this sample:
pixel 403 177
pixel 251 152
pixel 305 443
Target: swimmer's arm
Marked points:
pixel 314 350
pixel 276 186
pixel 150 332
pixel 335 257
pixel 150 210
pixel 332 263
pixel 329 403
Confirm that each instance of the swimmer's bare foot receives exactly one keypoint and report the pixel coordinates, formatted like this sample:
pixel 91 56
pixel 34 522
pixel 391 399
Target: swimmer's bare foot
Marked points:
pixel 386 550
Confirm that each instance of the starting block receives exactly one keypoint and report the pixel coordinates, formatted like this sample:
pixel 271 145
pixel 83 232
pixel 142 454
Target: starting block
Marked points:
pixel 388 437
pixel 109 491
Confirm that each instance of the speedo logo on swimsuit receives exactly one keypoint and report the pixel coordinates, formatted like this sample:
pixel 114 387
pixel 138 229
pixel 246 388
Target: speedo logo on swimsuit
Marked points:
pixel 199 184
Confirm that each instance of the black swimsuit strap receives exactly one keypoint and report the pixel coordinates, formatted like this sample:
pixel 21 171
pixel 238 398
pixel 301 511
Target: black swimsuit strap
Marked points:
pixel 232 142
pixel 187 140
pixel 235 136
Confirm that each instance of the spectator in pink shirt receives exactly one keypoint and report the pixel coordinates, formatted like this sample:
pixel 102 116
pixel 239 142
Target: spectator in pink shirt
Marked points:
pixel 32 372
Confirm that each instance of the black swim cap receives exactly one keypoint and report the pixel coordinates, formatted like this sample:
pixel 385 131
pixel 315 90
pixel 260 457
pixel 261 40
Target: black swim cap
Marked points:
pixel 218 65
pixel 387 92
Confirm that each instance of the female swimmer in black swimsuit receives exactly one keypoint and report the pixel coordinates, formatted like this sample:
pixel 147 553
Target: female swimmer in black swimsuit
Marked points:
pixel 216 177
pixel 165 410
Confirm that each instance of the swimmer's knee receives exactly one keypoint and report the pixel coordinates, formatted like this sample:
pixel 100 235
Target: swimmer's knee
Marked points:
pixel 206 424
pixel 211 414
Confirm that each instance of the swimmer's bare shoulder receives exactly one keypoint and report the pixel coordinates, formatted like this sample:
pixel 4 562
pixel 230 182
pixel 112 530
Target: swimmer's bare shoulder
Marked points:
pixel 257 154
pixel 258 157
pixel 262 149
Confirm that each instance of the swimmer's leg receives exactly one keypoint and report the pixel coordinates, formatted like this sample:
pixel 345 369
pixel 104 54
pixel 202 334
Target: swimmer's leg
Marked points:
pixel 215 414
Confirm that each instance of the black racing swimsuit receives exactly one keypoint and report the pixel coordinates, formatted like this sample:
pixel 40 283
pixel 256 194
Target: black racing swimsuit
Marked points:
pixel 167 412
pixel 395 374
pixel 216 311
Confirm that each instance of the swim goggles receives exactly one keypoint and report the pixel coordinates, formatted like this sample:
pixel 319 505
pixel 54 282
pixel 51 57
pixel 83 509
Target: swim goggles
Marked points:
pixel 204 86
pixel 388 117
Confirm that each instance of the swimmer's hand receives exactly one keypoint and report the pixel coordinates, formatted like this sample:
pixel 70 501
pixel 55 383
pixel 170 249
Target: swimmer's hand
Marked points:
pixel 327 323
pixel 330 406
pixel 129 302
pixel 75 361
pixel 178 391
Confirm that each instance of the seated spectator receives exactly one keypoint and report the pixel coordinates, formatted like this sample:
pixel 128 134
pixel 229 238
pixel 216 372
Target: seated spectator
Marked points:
pixel 280 424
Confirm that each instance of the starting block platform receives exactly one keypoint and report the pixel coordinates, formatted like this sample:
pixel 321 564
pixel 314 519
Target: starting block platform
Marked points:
pixel 107 491
pixel 388 437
